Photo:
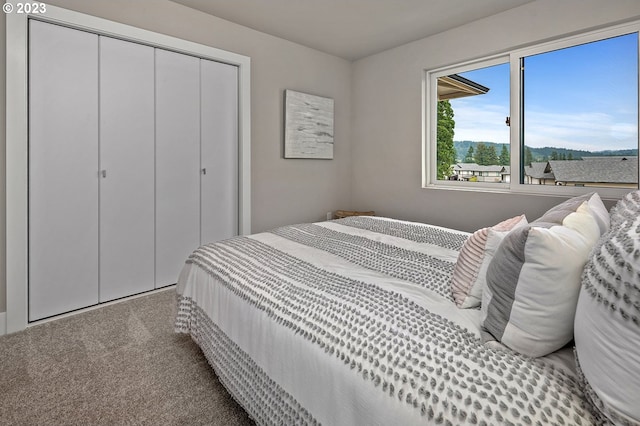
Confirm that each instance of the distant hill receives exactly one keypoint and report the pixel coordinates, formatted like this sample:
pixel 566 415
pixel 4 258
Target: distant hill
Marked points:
pixel 542 154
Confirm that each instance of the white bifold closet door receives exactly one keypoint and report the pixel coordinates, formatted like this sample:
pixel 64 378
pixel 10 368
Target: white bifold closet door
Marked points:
pixel 219 151
pixel 196 157
pixel 133 164
pixel 63 169
pixel 126 168
pixel 177 162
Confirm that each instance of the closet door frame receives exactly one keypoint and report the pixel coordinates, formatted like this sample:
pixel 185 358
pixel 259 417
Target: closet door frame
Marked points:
pixel 17 134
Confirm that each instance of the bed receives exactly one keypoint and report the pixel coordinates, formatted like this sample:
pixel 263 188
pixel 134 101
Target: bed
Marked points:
pixel 354 322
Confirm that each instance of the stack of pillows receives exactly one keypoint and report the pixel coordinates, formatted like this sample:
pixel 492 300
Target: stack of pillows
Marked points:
pixel 574 266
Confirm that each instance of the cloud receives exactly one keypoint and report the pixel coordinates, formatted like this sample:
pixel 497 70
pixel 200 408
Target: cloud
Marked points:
pixel 485 124
pixel 585 131
pixel 589 131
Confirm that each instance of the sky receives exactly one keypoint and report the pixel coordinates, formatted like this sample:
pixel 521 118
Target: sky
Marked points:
pixel 584 97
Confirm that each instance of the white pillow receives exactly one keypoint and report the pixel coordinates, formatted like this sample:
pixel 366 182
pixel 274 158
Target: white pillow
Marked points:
pixel 468 279
pixel 607 321
pixel 533 280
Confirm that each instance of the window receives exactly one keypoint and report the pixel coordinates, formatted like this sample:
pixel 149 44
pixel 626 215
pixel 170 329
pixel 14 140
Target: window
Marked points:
pixel 560 117
pixel 471 110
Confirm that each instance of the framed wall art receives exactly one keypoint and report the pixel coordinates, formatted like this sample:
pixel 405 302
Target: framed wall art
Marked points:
pixel 308 128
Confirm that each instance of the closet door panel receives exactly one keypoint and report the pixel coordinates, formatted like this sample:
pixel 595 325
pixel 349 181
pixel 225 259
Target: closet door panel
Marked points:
pixel 219 151
pixel 177 162
pixel 127 168
pixel 63 170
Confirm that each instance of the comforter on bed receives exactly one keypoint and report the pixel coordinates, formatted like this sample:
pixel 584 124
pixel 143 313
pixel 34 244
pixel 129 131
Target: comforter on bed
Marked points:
pixel 352 322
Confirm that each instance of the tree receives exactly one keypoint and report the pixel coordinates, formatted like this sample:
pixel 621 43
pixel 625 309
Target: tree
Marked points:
pixel 528 156
pixel 505 158
pixel 481 153
pixel 446 155
pixel 554 155
pixel 492 156
pixel 469 157
pixel 486 154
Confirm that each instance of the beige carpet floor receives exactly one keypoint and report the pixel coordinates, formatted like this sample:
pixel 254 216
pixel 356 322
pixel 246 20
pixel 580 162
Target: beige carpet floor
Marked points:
pixel 117 365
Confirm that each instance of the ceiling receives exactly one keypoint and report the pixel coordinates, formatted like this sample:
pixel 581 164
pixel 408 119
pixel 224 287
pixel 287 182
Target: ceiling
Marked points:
pixel 352 29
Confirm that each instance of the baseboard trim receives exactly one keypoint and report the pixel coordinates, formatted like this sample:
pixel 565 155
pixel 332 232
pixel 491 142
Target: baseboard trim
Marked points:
pixel 3 323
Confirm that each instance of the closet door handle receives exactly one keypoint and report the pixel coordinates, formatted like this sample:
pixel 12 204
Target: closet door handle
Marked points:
pixel 103 173
pixel 204 171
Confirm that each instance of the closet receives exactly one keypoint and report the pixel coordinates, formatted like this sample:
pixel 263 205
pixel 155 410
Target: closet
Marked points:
pixel 133 163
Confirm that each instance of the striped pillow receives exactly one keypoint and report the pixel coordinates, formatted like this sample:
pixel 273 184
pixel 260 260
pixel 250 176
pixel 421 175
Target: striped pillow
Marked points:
pixel 468 277
pixel 533 281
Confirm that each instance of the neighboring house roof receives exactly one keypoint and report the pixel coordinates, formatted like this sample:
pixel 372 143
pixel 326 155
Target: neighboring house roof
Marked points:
pixel 539 170
pixel 473 167
pixel 454 86
pixel 587 170
pixel 596 170
pixel 621 170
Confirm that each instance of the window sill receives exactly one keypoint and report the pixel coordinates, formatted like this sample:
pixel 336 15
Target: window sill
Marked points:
pixel 535 190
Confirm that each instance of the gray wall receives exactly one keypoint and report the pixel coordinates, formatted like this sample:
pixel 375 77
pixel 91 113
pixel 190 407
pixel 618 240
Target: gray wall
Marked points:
pixel 387 112
pixel 283 191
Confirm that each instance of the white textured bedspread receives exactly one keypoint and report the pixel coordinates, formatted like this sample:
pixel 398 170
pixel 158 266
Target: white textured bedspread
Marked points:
pixel 351 322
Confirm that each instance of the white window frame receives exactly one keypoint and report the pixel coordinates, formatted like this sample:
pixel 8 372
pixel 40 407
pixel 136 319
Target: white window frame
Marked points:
pixel 512 57
pixel 430 134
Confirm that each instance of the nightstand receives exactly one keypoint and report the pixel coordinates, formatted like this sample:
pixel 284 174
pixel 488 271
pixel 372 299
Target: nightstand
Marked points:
pixel 339 214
